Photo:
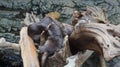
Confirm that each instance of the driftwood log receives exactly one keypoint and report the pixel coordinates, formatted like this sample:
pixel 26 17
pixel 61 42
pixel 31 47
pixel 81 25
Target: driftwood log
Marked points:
pixel 28 50
pixel 96 33
pixel 99 37
pixel 8 45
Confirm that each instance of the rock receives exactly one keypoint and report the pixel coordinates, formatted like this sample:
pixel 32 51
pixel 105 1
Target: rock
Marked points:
pixel 8 14
pixel 16 4
pixel 6 4
pixel 9 29
pixel 113 3
pixel 10 58
pixel 66 14
pixel 8 24
pixel 22 4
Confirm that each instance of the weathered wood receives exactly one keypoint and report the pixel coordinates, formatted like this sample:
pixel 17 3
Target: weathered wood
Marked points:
pixel 83 57
pixel 102 61
pixel 97 13
pixel 30 19
pixel 79 59
pixel 93 31
pixel 4 44
pixel 28 50
pixel 107 44
pixel 66 49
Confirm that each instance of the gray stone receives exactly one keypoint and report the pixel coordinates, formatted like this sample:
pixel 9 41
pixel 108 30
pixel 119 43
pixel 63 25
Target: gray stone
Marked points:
pixel 8 14
pixel 36 2
pixel 113 3
pixel 9 29
pixel 10 37
pixel 67 13
pixel 64 3
pixel 6 3
pixel 118 64
pixel 2 30
pixel 16 4
pixel 22 4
